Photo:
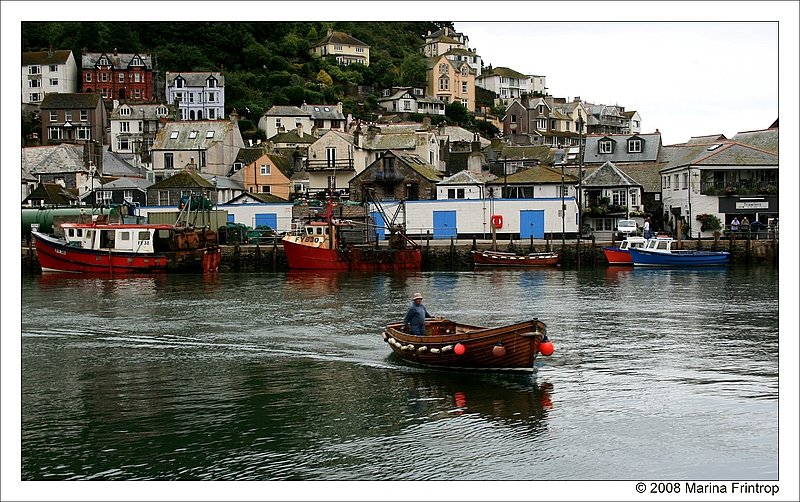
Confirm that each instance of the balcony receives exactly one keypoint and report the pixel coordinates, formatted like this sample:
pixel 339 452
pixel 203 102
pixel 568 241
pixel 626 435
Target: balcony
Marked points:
pixel 329 165
pixel 742 187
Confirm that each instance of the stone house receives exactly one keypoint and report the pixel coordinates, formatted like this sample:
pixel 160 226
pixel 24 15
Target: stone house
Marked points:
pixel 73 118
pixel 397 175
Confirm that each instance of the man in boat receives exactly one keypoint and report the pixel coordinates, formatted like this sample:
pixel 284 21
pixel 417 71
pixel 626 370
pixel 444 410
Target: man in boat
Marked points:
pixel 415 316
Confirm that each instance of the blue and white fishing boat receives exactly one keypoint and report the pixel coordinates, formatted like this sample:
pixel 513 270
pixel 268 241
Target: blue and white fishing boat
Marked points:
pixel 659 252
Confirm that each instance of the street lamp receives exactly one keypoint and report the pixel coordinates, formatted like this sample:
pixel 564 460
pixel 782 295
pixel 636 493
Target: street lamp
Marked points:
pixel 580 183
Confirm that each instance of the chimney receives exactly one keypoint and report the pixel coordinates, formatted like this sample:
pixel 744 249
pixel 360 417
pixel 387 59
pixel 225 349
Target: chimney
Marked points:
pixel 476 143
pixel 357 136
pixel 297 159
pixel 442 130
pixel 50 50
pixel 426 123
pixel 300 130
pixel 234 117
pixel 340 105
pixel 115 51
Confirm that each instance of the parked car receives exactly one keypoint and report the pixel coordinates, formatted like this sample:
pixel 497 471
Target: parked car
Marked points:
pixel 626 228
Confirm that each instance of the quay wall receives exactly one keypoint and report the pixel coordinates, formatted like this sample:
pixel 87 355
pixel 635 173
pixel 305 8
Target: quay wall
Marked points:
pixel 455 254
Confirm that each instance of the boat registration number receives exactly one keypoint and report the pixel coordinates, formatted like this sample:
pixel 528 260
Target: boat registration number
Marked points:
pixel 61 251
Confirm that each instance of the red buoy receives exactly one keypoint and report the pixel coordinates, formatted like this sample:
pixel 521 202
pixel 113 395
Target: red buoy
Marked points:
pixel 498 350
pixel 459 349
pixel 546 348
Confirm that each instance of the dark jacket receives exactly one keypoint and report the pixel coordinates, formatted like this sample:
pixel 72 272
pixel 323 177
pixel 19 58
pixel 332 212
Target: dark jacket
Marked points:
pixel 415 316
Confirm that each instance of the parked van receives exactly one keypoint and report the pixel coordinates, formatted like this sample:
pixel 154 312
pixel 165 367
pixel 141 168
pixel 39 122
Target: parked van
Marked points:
pixel 626 228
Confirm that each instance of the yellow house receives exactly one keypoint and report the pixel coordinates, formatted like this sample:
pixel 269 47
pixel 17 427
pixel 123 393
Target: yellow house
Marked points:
pixel 345 48
pixel 451 81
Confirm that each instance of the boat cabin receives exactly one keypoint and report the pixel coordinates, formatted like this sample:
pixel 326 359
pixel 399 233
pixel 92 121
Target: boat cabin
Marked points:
pixel 659 244
pixel 132 239
pixel 633 242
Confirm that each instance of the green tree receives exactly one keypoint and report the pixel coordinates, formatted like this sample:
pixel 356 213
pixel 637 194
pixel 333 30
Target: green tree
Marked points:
pixel 457 113
pixel 324 79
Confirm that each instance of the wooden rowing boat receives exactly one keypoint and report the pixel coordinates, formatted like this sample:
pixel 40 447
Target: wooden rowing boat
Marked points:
pixel 504 259
pixel 447 344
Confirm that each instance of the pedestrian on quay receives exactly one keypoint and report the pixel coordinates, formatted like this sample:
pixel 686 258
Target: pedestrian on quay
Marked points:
pixel 735 224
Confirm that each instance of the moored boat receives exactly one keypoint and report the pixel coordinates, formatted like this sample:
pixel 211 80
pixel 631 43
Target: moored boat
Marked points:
pixel 127 248
pixel 660 252
pixel 451 345
pixel 620 255
pixel 505 259
pixel 323 244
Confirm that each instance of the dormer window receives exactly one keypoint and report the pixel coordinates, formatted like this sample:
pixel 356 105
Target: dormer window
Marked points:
pixel 212 82
pixel 103 61
pixel 606 146
pixel 136 61
pixel 635 145
pixel 443 68
pixel 125 111
pixel 464 70
pixel 179 83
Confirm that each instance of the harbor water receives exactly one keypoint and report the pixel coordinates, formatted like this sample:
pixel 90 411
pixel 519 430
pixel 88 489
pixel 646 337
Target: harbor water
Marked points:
pixel 657 374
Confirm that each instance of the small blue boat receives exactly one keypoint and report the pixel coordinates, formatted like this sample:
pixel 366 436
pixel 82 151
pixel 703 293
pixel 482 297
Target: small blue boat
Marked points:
pixel 658 252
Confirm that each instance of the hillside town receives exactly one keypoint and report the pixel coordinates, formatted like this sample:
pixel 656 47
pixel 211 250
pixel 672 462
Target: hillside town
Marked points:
pixel 115 131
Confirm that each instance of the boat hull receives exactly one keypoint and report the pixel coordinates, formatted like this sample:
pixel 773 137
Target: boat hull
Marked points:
pixel 617 256
pixel 495 259
pixel 679 258
pixel 437 348
pixel 301 256
pixel 54 255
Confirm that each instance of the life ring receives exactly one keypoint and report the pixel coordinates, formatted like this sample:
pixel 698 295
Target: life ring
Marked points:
pixel 497 221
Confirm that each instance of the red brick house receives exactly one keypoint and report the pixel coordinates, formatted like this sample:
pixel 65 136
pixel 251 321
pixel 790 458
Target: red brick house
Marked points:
pixel 117 75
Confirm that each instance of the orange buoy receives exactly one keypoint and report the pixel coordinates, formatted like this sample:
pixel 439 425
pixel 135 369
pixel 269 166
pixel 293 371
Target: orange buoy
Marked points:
pixel 498 350
pixel 546 348
pixel 459 349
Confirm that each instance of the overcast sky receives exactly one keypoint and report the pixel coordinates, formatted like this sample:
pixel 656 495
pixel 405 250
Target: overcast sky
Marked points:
pixel 684 78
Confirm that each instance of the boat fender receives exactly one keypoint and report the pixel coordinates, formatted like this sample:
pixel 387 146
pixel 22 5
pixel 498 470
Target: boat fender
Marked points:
pixel 435 351
pixel 422 349
pixel 390 340
pixel 459 349
pixel 409 347
pixel 447 348
pixel 398 344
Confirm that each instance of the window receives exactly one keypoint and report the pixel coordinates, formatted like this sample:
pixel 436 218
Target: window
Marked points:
pixel 137 77
pixel 121 78
pixel 212 113
pixel 444 84
pixel 406 105
pixel 513 119
pixel 54 82
pixel 168 161
pixel 173 135
pixel 34 69
pixel 34 83
pixel 606 146
pixel 237 166
pixel 337 47
pixel 125 111
pixel 54 133
pixel 635 146
pixel 192 134
pixel 212 97
pixel 633 195
pixel 265 189
pixel 35 97
pixel 666 181
pixel 618 197
pixel 53 116
pixel 463 87
pixel 563 191
pixel 88 77
pixel 179 83
pixel 553 125
pixel 53 68
pixel 455 193
pixel 83 132
pixel 604 224
pixel 464 70
pixel 125 127
pixel 541 124
pixel 685 181
pixel 104 77
pixel 163 198
pixel 278 124
pixel 191 97
pixel 677 181
pixel 68 116
pixel 123 143
pixel 209 134
pixel 212 83
pixel 84 115
pixel 443 68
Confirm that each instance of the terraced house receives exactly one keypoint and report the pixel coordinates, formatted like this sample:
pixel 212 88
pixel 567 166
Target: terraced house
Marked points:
pixel 45 72
pixel 117 75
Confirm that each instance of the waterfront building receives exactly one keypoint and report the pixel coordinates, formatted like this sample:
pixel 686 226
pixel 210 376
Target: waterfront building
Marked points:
pixel 45 72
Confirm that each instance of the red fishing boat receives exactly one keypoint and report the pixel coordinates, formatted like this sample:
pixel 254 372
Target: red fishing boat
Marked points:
pixel 128 248
pixel 621 255
pixel 322 244
pixel 504 259
pixel 451 345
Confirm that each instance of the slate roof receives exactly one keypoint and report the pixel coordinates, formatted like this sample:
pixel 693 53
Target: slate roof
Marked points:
pixel 339 38
pixel 150 111
pixel 467 177
pixel 645 174
pixel 195 79
pixel 458 51
pixel 249 155
pixel 706 140
pixel 419 165
pixel 543 153
pixel 201 141
pixel 457 133
pixel 53 159
pixel 537 174
pixel 45 57
pixel 223 182
pixel 729 153
pixel 650 148
pixel 128 184
pixel 53 194
pixel 292 137
pixel 258 197
pixel 183 179
pixel 765 139
pixel 286 111
pixel 323 112
pixel 434 61
pixel 115 165
pixel 70 101
pixel 608 175
pixel 502 71
pixel 284 164
pixel 119 60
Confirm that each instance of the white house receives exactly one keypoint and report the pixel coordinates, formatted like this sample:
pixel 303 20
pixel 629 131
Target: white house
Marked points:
pixel 44 72
pixel 199 95
pixel 510 84
pixel 134 128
